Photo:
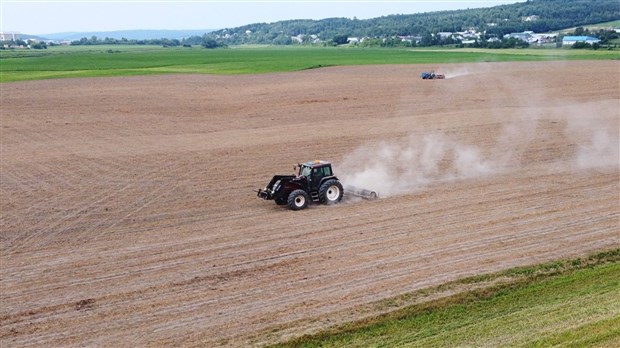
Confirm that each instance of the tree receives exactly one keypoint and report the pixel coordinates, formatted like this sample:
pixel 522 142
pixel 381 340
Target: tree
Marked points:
pixel 581 45
pixel 427 39
pixel 282 40
pixel 208 42
pixel 39 46
pixel 340 39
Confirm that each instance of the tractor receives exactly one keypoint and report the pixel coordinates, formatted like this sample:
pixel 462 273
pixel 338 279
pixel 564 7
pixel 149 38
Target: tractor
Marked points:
pixel 432 76
pixel 314 183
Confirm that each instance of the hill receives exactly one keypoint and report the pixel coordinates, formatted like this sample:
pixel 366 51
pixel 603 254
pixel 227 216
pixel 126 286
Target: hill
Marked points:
pixel 536 15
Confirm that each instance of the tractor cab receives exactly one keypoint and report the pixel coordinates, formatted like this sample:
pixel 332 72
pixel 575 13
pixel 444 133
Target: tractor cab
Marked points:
pixel 314 172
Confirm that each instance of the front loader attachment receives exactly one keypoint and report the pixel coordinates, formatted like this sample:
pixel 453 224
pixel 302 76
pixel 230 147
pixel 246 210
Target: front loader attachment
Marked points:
pixel 274 189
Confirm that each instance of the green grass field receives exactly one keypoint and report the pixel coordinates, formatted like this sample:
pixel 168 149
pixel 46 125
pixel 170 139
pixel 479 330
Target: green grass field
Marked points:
pixel 94 61
pixel 572 303
pixel 614 24
pixel 596 26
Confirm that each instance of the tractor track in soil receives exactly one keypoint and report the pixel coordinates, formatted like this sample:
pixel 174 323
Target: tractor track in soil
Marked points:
pixel 129 217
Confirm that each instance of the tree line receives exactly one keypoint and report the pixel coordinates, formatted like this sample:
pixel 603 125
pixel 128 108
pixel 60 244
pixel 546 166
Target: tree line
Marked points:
pixel 494 21
pixel 204 41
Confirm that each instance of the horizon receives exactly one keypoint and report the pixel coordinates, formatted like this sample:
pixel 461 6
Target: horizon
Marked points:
pixel 45 17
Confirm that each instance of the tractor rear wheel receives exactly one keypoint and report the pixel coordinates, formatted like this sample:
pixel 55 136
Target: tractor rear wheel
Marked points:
pixel 298 200
pixel 331 192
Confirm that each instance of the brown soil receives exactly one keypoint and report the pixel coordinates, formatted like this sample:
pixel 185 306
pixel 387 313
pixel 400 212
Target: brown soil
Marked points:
pixel 129 217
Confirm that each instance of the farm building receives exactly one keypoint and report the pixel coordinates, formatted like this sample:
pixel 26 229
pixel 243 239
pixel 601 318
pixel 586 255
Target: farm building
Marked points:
pixel 524 36
pixel 570 40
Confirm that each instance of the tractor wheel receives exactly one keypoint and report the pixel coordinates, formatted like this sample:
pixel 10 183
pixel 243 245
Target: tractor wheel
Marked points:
pixel 331 192
pixel 280 201
pixel 298 200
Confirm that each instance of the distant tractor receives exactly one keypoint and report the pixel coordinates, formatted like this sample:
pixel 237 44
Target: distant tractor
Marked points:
pixel 432 76
pixel 315 183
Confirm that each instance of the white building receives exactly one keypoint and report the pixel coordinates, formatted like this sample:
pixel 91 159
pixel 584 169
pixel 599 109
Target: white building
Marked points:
pixel 571 40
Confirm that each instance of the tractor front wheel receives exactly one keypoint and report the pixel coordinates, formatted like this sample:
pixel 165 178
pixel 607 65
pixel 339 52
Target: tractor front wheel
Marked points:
pixel 331 192
pixel 298 200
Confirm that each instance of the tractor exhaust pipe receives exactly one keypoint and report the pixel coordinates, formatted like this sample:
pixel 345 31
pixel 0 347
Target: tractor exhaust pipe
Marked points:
pixel 360 192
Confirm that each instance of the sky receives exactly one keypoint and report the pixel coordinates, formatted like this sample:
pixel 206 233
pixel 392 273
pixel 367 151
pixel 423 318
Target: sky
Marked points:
pixel 37 17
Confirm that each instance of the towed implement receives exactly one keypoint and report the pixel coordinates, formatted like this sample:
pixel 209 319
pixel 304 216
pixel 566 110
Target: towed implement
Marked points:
pixel 360 192
pixel 315 182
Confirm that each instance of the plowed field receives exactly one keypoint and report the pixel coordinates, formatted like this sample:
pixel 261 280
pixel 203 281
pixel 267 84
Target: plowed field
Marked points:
pixel 129 217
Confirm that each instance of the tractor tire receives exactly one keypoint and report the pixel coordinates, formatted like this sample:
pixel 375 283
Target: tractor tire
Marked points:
pixel 281 201
pixel 298 200
pixel 331 192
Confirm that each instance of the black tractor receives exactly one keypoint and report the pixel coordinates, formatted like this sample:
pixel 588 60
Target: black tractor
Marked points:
pixel 315 182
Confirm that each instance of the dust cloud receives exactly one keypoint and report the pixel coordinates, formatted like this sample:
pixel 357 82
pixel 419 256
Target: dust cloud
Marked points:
pixel 454 71
pixel 398 167
pixel 600 151
pixel 411 163
pixel 598 142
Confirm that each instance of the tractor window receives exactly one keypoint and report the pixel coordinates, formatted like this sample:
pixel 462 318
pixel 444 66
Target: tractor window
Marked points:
pixel 327 171
pixel 305 171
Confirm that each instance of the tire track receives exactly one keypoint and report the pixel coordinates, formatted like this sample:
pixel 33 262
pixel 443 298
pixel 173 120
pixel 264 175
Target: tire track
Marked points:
pixel 185 254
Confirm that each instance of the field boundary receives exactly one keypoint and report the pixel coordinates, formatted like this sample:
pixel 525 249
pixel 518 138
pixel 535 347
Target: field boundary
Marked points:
pixel 477 288
pixel 112 61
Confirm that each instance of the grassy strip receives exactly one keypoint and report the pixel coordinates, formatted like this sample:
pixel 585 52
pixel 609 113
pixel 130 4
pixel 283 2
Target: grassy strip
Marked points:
pixel 615 23
pixel 95 61
pixel 568 303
